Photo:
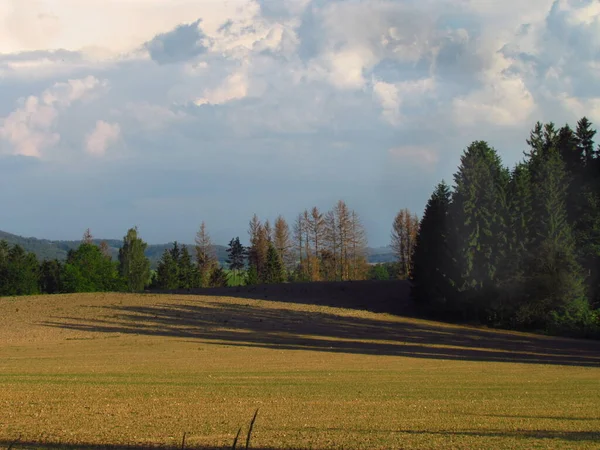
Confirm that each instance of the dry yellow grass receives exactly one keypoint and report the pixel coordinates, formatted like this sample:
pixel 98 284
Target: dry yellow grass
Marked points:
pixel 142 369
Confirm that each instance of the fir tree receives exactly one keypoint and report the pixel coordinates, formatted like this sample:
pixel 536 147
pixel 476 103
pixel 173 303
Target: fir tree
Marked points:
pixel 433 287
pixel 50 277
pixel 206 257
pixel 219 278
pixel 554 282
pixel 252 276
pixel 236 257
pixel 479 216
pixel 274 271
pixel 167 273
pixel 188 275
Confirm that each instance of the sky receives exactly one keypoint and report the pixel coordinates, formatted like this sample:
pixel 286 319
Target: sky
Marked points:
pixel 165 113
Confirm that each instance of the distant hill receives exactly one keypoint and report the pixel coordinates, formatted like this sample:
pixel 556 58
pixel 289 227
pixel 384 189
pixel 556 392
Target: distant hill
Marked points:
pixel 47 249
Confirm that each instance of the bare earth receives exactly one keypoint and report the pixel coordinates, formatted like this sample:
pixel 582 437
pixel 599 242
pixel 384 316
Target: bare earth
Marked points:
pixel 102 370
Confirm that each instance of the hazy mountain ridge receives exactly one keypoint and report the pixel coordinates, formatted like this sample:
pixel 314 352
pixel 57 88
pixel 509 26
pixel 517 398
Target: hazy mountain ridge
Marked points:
pixel 49 249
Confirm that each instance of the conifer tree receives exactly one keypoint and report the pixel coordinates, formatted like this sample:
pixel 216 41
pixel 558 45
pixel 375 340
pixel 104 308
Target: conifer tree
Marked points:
pixel 19 271
pixel 206 257
pixel 218 278
pixel 300 226
pixel 87 237
pixel 105 250
pixel 259 245
pixel 357 249
pixel 236 257
pixel 50 277
pixel 274 272
pixel 315 224
pixel 283 243
pixel 167 272
pixel 433 286
pixel 555 283
pixel 479 226
pixel 252 276
pixel 134 267
pixel 404 235
pixel 188 275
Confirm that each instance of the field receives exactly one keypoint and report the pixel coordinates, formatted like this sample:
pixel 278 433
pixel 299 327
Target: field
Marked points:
pixel 113 370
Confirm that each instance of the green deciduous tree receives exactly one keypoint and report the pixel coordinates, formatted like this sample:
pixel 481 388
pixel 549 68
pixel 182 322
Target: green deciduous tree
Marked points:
pixel 134 267
pixel 88 270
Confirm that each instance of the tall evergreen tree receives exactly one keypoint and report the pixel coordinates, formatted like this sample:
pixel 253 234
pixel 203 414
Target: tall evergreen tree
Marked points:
pixel 188 274
pixel 259 245
pixel 206 257
pixel 274 271
pixel 219 278
pixel 555 283
pixel 134 267
pixel 479 220
pixel 283 243
pixel 433 287
pixel 19 271
pixel 167 272
pixel 403 239
pixel 236 257
pixel 51 277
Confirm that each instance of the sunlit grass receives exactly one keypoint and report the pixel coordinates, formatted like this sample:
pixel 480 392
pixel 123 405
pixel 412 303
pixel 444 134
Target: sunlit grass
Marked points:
pixel 134 369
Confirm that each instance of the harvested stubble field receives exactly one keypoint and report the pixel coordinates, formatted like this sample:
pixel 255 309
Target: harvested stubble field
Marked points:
pixel 113 370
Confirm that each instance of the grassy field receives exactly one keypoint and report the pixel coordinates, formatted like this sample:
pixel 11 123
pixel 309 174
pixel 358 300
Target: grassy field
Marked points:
pixel 93 371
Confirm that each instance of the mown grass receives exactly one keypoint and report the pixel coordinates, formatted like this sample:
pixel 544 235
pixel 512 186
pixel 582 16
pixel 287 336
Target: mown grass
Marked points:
pixel 109 370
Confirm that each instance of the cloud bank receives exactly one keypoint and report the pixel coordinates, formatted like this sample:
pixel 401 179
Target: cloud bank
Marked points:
pixel 274 106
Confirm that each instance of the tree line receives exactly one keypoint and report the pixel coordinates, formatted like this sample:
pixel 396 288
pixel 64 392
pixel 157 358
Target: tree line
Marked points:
pixel 516 247
pixel 89 268
pixel 326 246
pixel 320 246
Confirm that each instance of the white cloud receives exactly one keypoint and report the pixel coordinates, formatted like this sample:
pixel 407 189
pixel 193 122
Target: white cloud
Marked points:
pixel 504 98
pixel 104 135
pixel 30 128
pixel 391 96
pixel 424 157
pixel 234 87
pixel 150 116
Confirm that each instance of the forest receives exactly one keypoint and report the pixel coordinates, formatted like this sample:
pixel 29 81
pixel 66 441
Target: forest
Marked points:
pixel 507 247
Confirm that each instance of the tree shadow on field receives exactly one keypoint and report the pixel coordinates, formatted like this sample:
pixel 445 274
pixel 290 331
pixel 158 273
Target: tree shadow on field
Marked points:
pixel 254 324
pixel 375 296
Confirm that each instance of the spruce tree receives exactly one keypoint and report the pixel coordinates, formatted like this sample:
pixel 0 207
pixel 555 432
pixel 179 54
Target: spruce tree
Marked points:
pixel 236 257
pixel 554 285
pixel 274 270
pixel 219 278
pixel 188 274
pixel 479 217
pixel 19 271
pixel 134 267
pixel 50 277
pixel 167 273
pixel 433 287
pixel 206 257
pixel 514 269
